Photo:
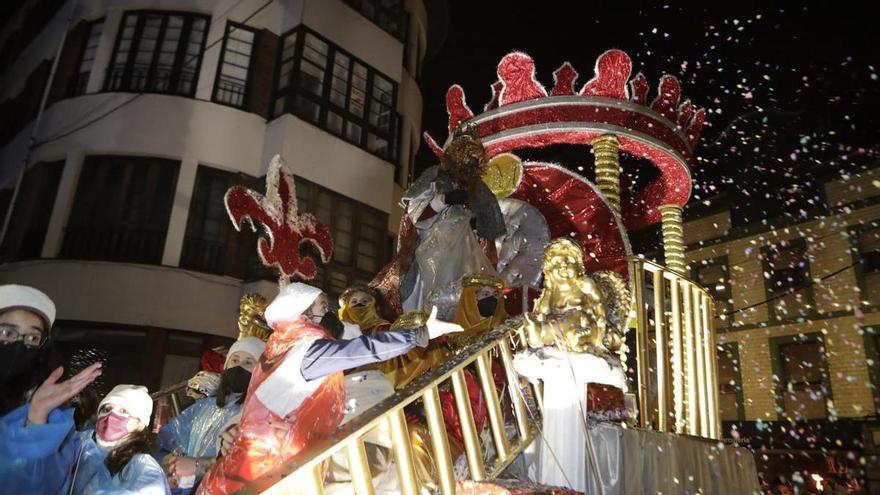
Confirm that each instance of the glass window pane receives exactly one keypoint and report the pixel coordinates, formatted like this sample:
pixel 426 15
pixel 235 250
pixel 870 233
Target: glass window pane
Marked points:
pixel 353 132
pixel 156 59
pixel 231 84
pixel 335 122
pixel 306 109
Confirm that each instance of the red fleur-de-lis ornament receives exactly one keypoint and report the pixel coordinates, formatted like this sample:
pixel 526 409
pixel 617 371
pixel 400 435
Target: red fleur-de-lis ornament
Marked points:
pixel 285 229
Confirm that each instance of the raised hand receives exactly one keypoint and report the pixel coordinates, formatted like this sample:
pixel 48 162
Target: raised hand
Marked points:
pixel 436 327
pixel 52 394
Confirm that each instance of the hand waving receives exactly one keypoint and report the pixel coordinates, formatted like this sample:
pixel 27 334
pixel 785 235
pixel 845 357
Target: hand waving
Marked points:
pixel 52 393
pixel 436 327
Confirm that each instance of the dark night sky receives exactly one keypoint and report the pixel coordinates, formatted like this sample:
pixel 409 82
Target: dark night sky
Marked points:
pixel 792 90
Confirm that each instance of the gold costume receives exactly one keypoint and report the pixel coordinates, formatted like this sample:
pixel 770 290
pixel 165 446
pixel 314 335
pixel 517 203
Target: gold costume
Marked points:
pixel 251 322
pixel 403 369
pixel 468 314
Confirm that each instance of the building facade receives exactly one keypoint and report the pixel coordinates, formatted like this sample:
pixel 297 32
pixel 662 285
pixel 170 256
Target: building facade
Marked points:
pixel 154 109
pixel 798 327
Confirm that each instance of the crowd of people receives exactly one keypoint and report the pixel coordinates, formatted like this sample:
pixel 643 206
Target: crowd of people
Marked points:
pixel 302 370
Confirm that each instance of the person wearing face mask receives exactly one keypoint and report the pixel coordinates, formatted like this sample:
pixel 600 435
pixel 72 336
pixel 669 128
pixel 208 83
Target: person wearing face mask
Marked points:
pixel 296 394
pixel 357 306
pixel 42 453
pixel 192 438
pixel 26 317
pixel 480 308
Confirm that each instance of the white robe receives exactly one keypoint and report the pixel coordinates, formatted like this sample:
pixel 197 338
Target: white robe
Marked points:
pixel 561 459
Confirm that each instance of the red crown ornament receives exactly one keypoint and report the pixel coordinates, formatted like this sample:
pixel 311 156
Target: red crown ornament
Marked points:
pixel 286 231
pixel 523 114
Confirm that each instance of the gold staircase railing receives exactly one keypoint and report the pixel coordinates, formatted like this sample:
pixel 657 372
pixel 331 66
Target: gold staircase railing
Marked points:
pixel 674 319
pixel 305 474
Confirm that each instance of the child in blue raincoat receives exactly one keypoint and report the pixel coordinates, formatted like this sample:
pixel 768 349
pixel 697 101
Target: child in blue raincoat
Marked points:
pixel 193 437
pixel 42 453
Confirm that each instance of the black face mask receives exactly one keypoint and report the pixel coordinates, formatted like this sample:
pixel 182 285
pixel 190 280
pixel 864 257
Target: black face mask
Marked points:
pixel 330 322
pixel 358 305
pixel 17 360
pixel 487 306
pixel 236 379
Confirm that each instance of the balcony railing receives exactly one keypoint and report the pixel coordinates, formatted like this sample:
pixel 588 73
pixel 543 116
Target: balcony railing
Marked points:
pixel 108 244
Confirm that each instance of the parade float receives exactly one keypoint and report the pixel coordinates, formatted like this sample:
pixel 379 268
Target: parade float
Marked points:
pixel 557 410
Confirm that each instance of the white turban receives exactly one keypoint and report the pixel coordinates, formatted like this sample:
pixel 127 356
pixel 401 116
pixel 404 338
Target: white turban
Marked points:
pixel 21 296
pixel 133 398
pixel 291 302
pixel 250 345
pixel 204 382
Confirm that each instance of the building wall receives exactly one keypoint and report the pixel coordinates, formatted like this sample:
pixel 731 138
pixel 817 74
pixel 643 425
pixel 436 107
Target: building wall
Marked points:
pixel 196 131
pixel 838 313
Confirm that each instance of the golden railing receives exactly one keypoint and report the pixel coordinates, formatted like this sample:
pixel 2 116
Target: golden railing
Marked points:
pixel 305 475
pixel 675 349
pixel 674 319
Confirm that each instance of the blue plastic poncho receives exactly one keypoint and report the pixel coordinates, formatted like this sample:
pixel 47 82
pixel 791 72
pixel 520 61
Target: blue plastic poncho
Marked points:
pixel 196 431
pixel 47 459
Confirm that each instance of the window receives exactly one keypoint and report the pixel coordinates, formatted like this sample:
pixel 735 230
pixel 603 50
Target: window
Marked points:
pixel 120 348
pixel 153 357
pixel 87 59
pixel 328 87
pixel 359 236
pixel 869 268
pixel 234 68
pixel 33 208
pixel 158 52
pixel 387 14
pixel 121 209
pixel 713 275
pixel 803 387
pixel 730 392
pixel 787 274
pixel 211 243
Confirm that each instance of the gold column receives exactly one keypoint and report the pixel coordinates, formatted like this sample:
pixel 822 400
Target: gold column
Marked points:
pixel 607 152
pixel 662 349
pixel 642 360
pixel 439 441
pixel 714 380
pixel 403 454
pixel 468 428
pixel 690 361
pixel 709 351
pixel 490 395
pixel 673 238
pixel 519 407
pixel 700 351
pixel 677 357
pixel 359 468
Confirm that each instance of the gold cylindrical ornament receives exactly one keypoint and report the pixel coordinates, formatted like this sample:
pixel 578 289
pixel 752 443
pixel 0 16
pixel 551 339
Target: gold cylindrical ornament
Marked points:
pixel 673 238
pixel 607 152
pixel 361 479
pixel 468 428
pixel 439 441
pixel 403 454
